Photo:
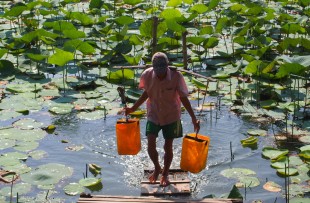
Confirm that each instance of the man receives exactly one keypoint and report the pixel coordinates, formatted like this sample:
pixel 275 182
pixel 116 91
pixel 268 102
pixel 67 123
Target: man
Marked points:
pixel 164 90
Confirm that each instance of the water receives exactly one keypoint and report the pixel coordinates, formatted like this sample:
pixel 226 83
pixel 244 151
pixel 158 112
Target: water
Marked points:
pixel 121 175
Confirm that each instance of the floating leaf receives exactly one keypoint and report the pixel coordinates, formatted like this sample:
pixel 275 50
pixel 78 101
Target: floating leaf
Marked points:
pixel 9 114
pixel 287 171
pixel 237 172
pixel 272 186
pixel 75 148
pixel 47 174
pixel 247 181
pixel 94 115
pixel 19 188
pixel 6 143
pixel 249 141
pixel 88 182
pixel 38 154
pixel 257 132
pixel 272 153
pixel 94 169
pixel 26 146
pixel 73 189
pixel 27 124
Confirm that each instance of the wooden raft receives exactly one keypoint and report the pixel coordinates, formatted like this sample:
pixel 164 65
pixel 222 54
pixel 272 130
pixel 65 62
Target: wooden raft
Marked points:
pixel 179 184
pixel 146 199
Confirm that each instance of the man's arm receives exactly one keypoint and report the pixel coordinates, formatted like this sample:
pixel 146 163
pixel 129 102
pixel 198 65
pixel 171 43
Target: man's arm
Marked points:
pixel 189 109
pixel 138 103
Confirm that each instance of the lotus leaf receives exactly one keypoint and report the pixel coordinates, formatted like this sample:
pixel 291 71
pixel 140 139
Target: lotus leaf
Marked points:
pixel 272 186
pixel 92 95
pixel 21 88
pixel 299 200
pixel 305 139
pixel 60 108
pixel 8 161
pixel 247 181
pixel 73 189
pixel 249 141
pixel 237 172
pixel 46 187
pixel 287 171
pixel 94 115
pixel 20 188
pixel 304 148
pixel 88 182
pixel 19 168
pixel 94 169
pixel 27 124
pixel 49 93
pixel 302 174
pixel 6 143
pixel 16 155
pixel 298 190
pixel 281 162
pixel 8 114
pixel 138 113
pixel 305 154
pixel 61 57
pixel 272 153
pixel 257 132
pixel 22 135
pixel 26 146
pixel 48 174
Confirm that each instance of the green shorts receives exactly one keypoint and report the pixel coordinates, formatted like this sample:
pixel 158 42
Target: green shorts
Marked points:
pixel 170 131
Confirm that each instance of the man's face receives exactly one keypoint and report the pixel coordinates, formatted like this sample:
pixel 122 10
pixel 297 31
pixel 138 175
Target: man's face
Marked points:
pixel 161 76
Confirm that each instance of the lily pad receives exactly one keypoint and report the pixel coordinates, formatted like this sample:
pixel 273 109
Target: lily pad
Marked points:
pixel 247 181
pixel 74 189
pixel 272 153
pixel 272 186
pixel 26 146
pixel 257 132
pixel 38 154
pixel 287 171
pixel 60 108
pixel 237 172
pixel 19 168
pixel 22 135
pixel 299 200
pixel 305 139
pixel 94 115
pixel 27 124
pixel 20 188
pixel 9 114
pixel 47 174
pixel 88 182
pixel 6 143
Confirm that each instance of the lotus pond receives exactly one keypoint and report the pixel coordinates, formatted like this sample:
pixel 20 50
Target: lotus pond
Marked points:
pixel 246 64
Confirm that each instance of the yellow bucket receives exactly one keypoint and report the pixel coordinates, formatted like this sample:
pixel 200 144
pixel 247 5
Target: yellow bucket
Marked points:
pixel 194 152
pixel 128 136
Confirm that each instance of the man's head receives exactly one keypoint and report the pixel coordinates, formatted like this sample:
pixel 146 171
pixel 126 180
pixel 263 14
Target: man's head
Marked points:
pixel 160 63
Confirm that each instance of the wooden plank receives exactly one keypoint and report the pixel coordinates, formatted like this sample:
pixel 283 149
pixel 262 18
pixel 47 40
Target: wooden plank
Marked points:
pixel 120 199
pixel 179 184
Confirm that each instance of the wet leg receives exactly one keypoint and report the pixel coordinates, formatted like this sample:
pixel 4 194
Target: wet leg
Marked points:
pixel 164 181
pixel 153 154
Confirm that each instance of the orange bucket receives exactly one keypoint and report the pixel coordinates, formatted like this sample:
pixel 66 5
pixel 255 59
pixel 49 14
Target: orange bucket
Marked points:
pixel 128 136
pixel 194 152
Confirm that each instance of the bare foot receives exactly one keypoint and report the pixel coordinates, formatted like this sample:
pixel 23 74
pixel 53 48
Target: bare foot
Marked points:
pixel 164 181
pixel 153 177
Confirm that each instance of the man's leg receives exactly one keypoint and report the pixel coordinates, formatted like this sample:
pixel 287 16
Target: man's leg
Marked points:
pixel 153 154
pixel 167 161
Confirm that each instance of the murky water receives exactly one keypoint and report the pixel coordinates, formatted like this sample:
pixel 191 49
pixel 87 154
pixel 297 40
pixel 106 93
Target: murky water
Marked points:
pixel 121 175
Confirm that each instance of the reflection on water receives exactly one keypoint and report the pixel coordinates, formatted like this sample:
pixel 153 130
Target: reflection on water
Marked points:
pixel 121 175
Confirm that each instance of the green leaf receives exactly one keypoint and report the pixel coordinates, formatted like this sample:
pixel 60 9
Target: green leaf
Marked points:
pixel 247 181
pixel 199 8
pixel 124 20
pixel 288 68
pixel 19 188
pixel 174 3
pixel 170 14
pixel 132 2
pixel 287 171
pixel 237 172
pixel 7 68
pixel 272 153
pixel 73 189
pixel 88 182
pixel 257 132
pixel 213 4
pixel 198 84
pixel 61 57
pixel 235 193
pixel 74 34
pixel 249 141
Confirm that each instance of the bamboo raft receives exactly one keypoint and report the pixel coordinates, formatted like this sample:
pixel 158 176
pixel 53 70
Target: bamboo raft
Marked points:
pixel 119 199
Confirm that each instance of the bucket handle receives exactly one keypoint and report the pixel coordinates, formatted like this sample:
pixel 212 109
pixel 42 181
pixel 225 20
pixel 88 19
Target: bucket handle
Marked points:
pixel 197 130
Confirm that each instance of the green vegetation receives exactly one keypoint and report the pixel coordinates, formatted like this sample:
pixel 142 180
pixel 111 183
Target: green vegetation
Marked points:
pixel 59 55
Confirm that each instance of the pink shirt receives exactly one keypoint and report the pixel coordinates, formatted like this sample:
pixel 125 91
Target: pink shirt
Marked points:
pixel 163 103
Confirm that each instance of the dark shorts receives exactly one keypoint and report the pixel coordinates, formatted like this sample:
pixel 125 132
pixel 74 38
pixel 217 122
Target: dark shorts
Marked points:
pixel 173 130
